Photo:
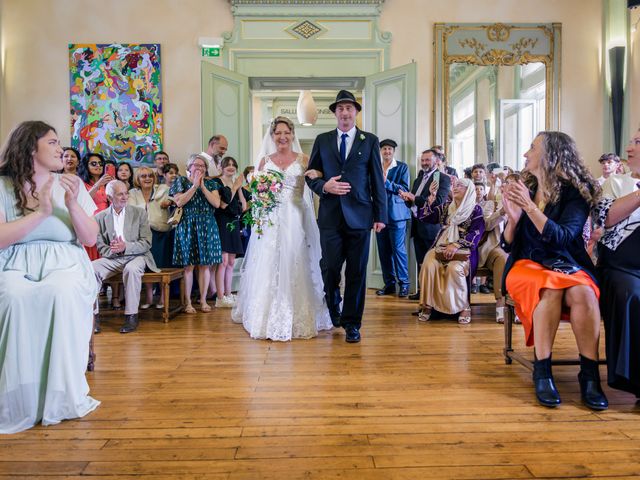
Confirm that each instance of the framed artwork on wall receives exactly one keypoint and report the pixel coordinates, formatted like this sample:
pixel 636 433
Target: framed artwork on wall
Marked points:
pixel 116 100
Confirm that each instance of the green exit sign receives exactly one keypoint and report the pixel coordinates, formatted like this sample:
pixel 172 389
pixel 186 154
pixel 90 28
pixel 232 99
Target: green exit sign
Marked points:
pixel 210 52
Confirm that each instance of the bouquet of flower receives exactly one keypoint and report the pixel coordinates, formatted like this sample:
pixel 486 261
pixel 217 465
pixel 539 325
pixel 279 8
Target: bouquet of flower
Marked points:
pixel 265 187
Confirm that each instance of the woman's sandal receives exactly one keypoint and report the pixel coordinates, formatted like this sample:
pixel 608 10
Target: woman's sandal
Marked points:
pixel 189 309
pixel 465 316
pixel 425 314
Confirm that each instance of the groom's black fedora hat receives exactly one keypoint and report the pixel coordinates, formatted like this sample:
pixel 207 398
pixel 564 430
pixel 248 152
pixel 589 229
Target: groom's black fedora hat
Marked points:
pixel 344 96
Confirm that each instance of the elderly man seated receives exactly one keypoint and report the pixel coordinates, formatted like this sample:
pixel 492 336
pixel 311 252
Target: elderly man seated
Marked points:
pixel 124 242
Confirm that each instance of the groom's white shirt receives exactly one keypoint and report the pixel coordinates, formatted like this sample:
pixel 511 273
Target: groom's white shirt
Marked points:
pixel 351 137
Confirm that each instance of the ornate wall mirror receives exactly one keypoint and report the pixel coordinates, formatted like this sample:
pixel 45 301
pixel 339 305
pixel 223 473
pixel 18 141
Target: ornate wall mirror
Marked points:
pixel 496 86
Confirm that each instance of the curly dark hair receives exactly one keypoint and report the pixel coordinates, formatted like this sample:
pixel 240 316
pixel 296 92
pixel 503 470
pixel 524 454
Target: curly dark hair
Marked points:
pixel 83 168
pixel 562 164
pixel 16 159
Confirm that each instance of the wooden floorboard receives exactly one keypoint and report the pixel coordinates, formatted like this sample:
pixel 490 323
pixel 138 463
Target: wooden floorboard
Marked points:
pixel 198 399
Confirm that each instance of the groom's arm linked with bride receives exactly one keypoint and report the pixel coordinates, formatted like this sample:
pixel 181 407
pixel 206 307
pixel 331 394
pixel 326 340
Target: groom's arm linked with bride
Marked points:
pixel 352 202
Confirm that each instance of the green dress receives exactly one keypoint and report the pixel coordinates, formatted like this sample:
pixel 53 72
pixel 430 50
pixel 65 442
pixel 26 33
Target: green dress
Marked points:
pixel 197 240
pixel 47 291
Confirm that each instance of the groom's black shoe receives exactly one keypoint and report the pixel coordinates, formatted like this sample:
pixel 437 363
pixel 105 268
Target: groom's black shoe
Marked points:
pixel 336 320
pixel 390 290
pixel 353 335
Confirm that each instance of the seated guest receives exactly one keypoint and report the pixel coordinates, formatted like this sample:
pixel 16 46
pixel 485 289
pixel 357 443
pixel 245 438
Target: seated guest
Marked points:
pixel 93 174
pixel 70 161
pixel 124 173
pixel 609 163
pixel 619 273
pixel 392 248
pixel 445 283
pixel 46 283
pixel 154 199
pixel 124 243
pixel 549 274
pixel 161 160
pixel 491 255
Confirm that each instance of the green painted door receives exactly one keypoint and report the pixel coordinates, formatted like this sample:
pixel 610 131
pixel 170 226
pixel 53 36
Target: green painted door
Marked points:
pixel 390 112
pixel 225 110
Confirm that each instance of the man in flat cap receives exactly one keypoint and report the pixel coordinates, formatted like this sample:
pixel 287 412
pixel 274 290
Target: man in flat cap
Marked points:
pixel 392 248
pixel 352 202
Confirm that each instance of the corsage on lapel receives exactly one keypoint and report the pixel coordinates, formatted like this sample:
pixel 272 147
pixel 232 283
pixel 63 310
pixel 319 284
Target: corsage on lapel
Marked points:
pixel 362 137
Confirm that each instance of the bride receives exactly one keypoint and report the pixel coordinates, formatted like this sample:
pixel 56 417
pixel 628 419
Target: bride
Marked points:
pixel 281 292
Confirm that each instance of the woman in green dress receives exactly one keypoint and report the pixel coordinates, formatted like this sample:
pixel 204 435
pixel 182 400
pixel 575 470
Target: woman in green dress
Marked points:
pixel 197 241
pixel 47 284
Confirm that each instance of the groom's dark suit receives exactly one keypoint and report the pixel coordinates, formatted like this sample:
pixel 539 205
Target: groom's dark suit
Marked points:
pixel 345 221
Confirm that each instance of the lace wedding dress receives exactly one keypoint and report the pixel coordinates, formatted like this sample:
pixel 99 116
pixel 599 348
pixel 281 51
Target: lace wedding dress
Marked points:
pixel 281 291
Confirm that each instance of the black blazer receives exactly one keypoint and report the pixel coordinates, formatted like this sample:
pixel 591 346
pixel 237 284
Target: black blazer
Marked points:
pixel 366 203
pixel 561 238
pixel 423 229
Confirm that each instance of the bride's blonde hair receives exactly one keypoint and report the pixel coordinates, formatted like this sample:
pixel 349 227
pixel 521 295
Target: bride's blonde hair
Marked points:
pixel 281 119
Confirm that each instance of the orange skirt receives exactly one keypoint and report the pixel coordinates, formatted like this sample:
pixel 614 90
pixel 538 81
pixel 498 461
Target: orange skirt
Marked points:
pixel 525 281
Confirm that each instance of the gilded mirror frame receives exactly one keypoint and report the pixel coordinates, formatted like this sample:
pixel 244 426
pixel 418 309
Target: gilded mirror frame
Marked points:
pixel 493 45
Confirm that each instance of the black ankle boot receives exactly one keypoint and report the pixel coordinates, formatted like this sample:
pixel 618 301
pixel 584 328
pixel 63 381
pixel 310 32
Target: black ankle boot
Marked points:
pixel 546 391
pixel 590 390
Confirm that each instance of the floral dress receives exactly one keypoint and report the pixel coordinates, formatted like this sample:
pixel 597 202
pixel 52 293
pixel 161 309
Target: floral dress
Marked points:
pixel 197 240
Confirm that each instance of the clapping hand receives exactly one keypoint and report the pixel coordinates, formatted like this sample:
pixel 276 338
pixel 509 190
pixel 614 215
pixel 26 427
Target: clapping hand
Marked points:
pixel 118 245
pixel 71 185
pixel 197 178
pixel 45 206
pixel 518 194
pixel 513 211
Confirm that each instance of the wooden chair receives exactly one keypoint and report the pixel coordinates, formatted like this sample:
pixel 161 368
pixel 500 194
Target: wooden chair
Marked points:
pixel 510 354
pixel 164 277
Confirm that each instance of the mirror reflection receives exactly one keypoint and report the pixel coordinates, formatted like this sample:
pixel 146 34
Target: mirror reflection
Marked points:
pixel 494 112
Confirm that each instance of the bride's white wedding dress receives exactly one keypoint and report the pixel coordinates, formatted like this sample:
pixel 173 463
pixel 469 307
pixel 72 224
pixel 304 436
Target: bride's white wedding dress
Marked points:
pixel 281 291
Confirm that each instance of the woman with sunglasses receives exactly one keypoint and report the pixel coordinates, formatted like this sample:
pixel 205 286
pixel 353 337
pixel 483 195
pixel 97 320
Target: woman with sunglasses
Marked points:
pixel 154 199
pixel 92 172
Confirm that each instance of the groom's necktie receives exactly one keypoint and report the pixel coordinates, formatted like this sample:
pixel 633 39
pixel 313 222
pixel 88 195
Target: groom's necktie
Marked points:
pixel 343 148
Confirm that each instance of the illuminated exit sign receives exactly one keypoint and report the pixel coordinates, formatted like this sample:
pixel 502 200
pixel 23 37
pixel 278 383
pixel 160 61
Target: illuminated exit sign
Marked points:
pixel 210 52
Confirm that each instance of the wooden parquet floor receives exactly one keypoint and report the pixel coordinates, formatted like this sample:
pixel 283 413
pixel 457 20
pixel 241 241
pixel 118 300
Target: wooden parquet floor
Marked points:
pixel 198 399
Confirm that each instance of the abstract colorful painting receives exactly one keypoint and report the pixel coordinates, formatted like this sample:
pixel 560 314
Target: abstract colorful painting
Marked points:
pixel 116 100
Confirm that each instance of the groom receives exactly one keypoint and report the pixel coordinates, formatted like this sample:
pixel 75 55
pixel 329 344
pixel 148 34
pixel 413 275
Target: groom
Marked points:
pixel 352 201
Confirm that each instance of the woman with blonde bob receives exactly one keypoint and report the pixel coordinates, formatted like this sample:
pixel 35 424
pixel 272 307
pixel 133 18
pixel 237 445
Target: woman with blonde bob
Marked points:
pixel 549 273
pixel 154 198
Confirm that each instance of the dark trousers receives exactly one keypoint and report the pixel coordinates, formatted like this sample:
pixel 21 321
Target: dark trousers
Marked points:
pixel 392 251
pixel 423 238
pixel 339 245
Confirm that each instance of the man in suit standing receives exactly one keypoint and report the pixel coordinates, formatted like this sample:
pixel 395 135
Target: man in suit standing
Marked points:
pixel 352 201
pixel 124 242
pixel 392 240
pixel 424 234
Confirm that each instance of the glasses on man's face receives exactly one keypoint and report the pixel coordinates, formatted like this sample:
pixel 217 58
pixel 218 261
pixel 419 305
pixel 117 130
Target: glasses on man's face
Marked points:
pixel 96 164
pixel 145 175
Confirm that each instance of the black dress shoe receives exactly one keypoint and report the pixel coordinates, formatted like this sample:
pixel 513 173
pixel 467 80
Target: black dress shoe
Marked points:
pixel 474 288
pixel 414 296
pixel 96 324
pixel 390 290
pixel 336 320
pixel 484 289
pixel 130 323
pixel 353 335
pixel 590 389
pixel 546 391
pixel 404 292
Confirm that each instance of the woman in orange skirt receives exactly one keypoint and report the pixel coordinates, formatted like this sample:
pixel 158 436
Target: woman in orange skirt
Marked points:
pixel 549 273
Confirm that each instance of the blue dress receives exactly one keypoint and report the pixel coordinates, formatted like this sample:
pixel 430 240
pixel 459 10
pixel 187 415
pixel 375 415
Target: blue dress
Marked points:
pixel 197 240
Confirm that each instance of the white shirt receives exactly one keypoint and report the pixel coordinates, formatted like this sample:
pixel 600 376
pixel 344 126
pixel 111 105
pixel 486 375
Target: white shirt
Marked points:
pixel 214 169
pixel 349 140
pixel 393 164
pixel 118 222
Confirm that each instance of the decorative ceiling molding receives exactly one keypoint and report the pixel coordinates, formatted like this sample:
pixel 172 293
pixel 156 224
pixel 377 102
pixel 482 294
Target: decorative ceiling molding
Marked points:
pixel 246 8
